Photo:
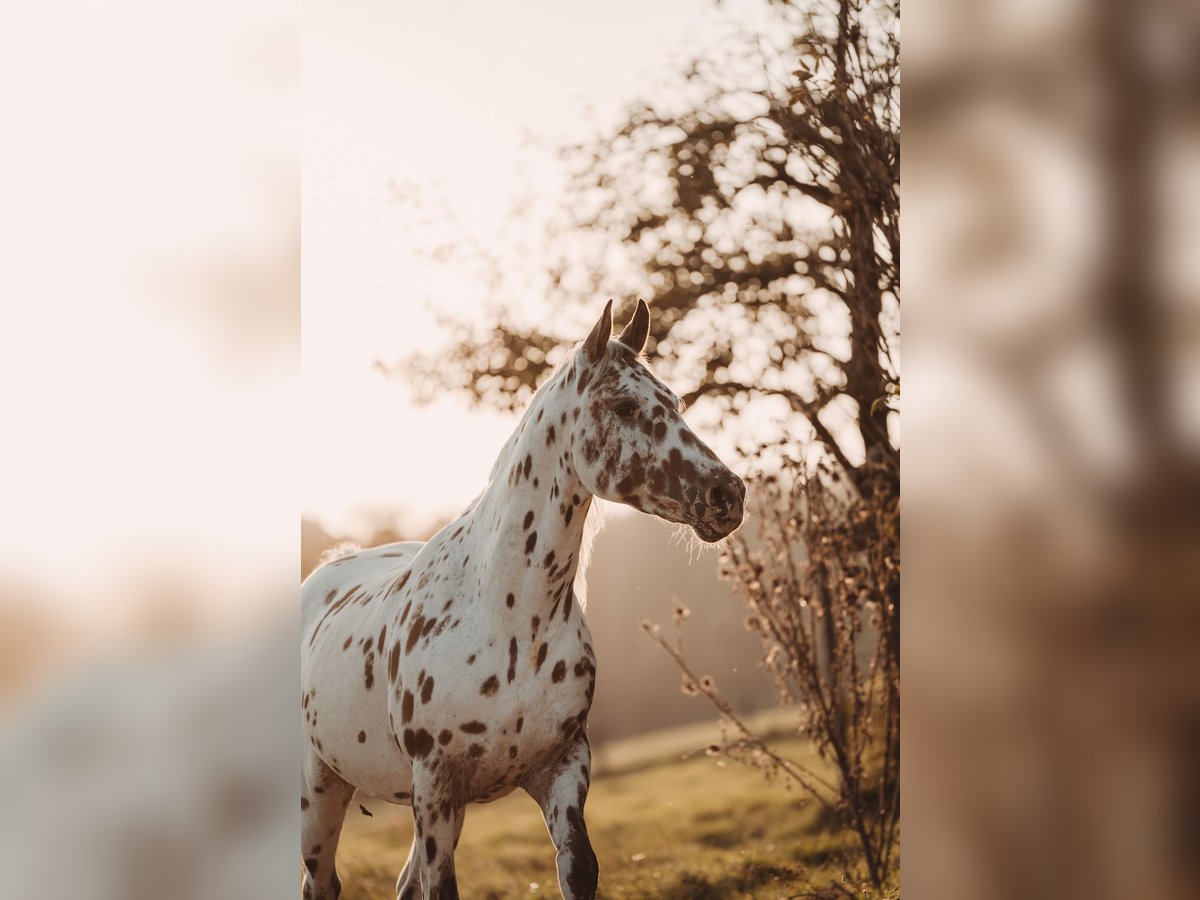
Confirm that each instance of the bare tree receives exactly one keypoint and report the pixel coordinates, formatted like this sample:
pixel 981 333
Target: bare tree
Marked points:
pixel 756 207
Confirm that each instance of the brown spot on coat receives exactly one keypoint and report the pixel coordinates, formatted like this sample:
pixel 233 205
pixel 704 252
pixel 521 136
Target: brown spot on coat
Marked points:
pixel 473 727
pixel 417 743
pixel 394 662
pixel 414 633
pixel 541 656
pixel 362 737
pixel 530 542
pixel 406 708
pixel 560 672
pixel 490 686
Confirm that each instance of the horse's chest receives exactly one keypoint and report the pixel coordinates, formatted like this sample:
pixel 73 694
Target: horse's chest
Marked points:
pixel 501 697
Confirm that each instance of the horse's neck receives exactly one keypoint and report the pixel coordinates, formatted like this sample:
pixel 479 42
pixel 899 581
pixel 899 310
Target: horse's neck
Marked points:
pixel 534 512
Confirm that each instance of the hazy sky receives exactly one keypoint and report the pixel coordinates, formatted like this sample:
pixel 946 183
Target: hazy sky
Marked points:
pixel 462 102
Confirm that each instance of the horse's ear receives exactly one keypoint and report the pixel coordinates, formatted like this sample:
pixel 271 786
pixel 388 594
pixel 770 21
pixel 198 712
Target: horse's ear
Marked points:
pixel 597 342
pixel 635 333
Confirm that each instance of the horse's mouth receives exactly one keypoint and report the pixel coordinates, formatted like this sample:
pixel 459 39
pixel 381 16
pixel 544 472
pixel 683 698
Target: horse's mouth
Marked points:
pixel 711 533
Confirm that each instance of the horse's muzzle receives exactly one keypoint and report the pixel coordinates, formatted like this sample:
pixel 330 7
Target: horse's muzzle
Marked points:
pixel 722 510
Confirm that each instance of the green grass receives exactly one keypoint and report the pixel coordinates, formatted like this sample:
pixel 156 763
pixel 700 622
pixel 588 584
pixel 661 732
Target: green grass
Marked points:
pixel 694 828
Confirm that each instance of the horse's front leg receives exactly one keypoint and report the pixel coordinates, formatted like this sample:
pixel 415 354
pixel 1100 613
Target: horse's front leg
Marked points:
pixel 561 792
pixel 437 819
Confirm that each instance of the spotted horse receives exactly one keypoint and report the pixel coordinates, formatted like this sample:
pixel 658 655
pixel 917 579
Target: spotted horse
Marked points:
pixel 455 671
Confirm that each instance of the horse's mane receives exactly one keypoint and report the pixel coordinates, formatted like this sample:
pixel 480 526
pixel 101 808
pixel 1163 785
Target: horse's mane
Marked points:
pixel 594 523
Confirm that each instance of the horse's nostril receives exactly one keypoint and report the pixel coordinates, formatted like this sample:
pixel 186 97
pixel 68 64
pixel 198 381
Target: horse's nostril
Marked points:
pixel 720 496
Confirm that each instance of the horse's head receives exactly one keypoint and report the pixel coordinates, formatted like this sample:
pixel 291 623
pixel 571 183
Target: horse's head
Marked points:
pixel 630 443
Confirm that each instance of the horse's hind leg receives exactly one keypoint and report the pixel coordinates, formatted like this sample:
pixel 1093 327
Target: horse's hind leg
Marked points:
pixel 408 885
pixel 323 801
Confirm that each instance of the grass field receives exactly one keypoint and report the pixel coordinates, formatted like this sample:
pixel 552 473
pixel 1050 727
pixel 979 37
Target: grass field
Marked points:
pixel 694 828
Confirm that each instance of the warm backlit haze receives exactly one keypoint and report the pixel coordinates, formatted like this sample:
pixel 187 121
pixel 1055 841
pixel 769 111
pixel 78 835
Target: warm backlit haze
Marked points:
pixel 395 125
pixel 161 438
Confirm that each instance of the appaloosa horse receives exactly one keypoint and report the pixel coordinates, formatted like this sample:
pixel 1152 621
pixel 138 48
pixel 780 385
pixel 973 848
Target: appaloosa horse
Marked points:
pixel 440 674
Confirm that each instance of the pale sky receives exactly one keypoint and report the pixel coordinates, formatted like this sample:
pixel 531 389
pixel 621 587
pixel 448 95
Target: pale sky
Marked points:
pixel 440 97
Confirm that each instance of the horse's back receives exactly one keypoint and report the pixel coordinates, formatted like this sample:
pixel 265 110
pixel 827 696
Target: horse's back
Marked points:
pixel 358 567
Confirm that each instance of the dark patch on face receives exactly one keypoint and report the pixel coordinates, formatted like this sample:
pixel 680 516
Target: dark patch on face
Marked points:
pixel 560 671
pixel 530 542
pixel 473 728
pixel 427 690
pixel 490 686
pixel 418 743
pixel 512 659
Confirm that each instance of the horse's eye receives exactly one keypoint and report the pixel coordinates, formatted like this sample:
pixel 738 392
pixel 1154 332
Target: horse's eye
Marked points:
pixel 625 409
